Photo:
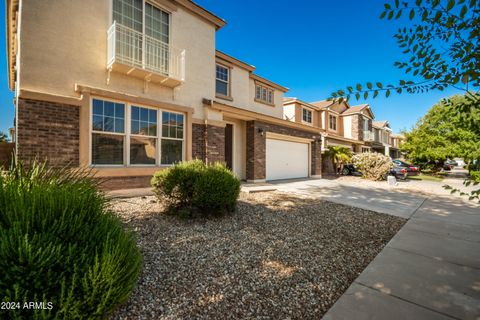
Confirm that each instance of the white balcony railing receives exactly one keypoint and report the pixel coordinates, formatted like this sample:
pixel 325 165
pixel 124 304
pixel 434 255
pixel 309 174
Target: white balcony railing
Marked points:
pixel 144 53
pixel 367 135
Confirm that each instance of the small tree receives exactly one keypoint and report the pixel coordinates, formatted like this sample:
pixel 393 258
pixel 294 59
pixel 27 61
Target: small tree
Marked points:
pixel 372 165
pixel 442 45
pixel 339 156
pixel 3 137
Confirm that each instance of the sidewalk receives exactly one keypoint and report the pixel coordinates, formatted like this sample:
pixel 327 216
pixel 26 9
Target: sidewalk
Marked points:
pixel 429 270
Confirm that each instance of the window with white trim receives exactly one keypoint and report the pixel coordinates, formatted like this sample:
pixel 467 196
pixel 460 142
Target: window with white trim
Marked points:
pixel 151 32
pixel 143 135
pixel 108 132
pixel 306 115
pixel 332 122
pixel 264 94
pixel 222 85
pixel 138 141
pixel 133 14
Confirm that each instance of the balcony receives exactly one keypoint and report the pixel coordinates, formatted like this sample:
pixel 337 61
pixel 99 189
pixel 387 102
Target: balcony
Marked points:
pixel 367 135
pixel 135 54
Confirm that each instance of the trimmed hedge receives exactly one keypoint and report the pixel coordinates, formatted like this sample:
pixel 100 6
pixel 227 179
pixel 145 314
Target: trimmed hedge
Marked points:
pixel 193 187
pixel 60 244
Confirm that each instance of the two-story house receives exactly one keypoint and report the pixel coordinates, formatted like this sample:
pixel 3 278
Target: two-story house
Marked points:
pixel 396 141
pixel 381 137
pixel 338 123
pixel 128 87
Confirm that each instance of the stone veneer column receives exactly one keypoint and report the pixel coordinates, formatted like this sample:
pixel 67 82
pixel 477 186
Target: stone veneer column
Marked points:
pixel 316 161
pixel 48 131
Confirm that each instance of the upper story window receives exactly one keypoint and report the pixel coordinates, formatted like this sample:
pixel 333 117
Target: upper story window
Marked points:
pixel 222 86
pixel 139 141
pixel 264 94
pixel 365 124
pixel 332 122
pixel 306 115
pixel 132 14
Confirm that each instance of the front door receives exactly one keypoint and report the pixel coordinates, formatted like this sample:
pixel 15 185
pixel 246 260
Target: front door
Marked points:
pixel 229 146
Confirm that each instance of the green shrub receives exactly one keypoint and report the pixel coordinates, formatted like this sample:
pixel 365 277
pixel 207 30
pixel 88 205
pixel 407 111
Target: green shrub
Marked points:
pixel 60 244
pixel 373 166
pixel 475 176
pixel 195 187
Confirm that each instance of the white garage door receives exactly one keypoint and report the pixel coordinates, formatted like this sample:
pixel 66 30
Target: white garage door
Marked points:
pixel 286 159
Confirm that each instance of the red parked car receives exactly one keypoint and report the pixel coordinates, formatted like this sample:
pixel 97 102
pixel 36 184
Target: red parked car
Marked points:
pixel 411 170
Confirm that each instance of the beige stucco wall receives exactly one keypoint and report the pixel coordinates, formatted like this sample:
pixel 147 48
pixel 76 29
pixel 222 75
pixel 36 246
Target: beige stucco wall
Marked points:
pixel 347 126
pixel 289 112
pixel 242 91
pixel 64 42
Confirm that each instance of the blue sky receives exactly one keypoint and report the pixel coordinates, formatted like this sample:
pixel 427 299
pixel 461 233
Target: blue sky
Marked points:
pixel 311 47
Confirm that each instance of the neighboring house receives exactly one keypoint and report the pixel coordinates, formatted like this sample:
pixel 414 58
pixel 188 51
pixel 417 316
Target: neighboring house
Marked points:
pixel 338 123
pixel 12 134
pixel 396 141
pixel 381 137
pixel 128 87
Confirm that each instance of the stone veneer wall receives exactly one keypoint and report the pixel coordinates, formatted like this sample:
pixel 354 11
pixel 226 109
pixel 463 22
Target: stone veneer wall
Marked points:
pixel 256 148
pixel 213 149
pixel 48 131
pixel 357 127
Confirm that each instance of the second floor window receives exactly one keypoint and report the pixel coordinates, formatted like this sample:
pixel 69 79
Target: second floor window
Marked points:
pixel 332 122
pixel 142 35
pixel 264 94
pixel 222 86
pixel 307 115
pixel 365 124
pixel 132 14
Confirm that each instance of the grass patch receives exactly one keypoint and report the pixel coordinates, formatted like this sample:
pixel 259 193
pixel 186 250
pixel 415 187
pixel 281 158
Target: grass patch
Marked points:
pixel 426 178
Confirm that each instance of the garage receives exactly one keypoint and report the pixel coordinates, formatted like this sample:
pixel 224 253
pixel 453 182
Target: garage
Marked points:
pixel 286 159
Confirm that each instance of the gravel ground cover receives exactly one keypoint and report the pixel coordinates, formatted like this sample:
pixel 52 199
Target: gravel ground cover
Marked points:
pixel 278 257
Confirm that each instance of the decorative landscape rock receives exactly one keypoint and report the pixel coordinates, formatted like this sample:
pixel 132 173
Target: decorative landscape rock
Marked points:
pixel 277 257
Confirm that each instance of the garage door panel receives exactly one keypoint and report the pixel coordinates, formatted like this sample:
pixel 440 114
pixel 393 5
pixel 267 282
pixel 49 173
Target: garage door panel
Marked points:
pixel 286 159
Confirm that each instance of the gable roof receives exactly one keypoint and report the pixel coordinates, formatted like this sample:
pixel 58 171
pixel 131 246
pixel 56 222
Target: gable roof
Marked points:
pixel 381 124
pixel 289 100
pixel 323 103
pixel 358 109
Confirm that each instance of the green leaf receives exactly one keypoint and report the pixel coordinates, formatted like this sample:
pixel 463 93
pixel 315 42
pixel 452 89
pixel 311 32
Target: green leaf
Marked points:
pixel 463 11
pixel 438 16
pixel 397 3
pixel 387 93
pixel 387 6
pixel 383 14
pixel 375 94
pixel 399 14
pixel 450 5
pixel 412 14
pixel 390 15
pixel 418 2
pixel 379 85
pixel 359 87
pixel 365 95
pixel 369 85
pixel 357 95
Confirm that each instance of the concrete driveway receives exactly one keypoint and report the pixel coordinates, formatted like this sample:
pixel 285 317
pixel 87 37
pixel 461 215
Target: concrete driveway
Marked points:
pixel 429 270
pixel 399 203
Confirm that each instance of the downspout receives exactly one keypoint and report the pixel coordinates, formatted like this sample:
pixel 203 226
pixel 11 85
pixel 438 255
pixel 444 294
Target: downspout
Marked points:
pixel 205 138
